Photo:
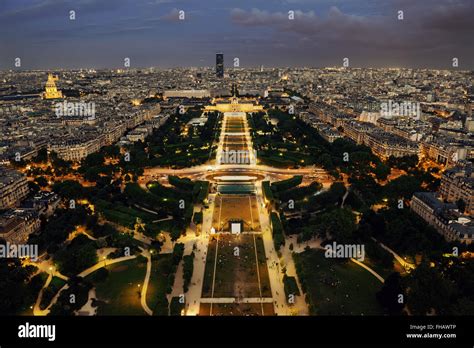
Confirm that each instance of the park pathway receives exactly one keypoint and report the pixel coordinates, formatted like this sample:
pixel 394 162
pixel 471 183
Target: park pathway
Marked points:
pixel 316 244
pixel 147 309
pixel 407 265
pixel 36 309
pixel 275 275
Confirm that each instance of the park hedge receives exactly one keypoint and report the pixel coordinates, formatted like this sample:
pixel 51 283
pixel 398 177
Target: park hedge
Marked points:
pixel 277 230
pixel 267 192
pixel 291 287
pixel 188 269
pixel 181 183
pixel 203 192
pixel 279 186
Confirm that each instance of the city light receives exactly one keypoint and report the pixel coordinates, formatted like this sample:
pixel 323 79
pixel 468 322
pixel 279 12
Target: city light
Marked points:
pixel 323 170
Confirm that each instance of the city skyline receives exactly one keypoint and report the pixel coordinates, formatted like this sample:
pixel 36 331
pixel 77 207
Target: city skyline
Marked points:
pixel 223 158
pixel 156 34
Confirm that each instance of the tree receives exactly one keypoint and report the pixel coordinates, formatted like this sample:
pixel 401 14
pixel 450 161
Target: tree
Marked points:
pixel 111 151
pixel 34 187
pixel 156 246
pixel 381 171
pixel 80 254
pixel 69 189
pixel 92 174
pixel 391 296
pixel 77 287
pixel 188 268
pixel 464 306
pixel 424 297
pixel 198 217
pixel 461 205
pixel 13 285
pixel 93 160
pixel 326 161
pixel 338 224
pixel 41 181
pixel 403 186
pixel 404 163
pixel 42 156
pixel 178 251
pixel 287 184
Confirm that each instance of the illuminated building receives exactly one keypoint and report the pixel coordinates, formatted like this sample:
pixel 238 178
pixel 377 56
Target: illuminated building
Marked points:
pixel 51 91
pixel 458 183
pixel 13 188
pixel 444 217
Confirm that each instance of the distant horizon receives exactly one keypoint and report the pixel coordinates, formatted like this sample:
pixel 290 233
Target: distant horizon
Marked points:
pixel 231 68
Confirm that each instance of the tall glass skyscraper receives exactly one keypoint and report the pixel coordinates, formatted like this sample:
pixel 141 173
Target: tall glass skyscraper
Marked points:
pixel 220 64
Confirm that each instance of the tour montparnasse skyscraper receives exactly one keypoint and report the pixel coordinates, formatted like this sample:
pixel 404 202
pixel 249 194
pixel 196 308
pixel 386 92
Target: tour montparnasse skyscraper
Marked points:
pixel 220 64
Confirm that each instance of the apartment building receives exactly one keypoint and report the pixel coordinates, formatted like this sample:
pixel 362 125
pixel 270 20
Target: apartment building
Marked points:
pixel 17 225
pixel 458 183
pixel 444 217
pixel 13 188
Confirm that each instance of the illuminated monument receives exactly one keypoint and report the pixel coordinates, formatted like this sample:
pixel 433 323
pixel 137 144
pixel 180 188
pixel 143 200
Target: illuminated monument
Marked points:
pixel 234 104
pixel 51 91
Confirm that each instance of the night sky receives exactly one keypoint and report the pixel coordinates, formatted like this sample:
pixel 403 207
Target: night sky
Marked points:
pixel 258 32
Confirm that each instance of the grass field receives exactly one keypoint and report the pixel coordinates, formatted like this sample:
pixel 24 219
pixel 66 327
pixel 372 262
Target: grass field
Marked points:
pixel 337 287
pixel 236 276
pixel 119 294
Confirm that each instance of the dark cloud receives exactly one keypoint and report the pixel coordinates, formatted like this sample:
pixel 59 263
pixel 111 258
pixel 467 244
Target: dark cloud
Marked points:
pixel 436 30
pixel 384 32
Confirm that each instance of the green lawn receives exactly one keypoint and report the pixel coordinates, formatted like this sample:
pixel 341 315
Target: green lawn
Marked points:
pixel 122 215
pixel 119 293
pixel 236 275
pixel 337 287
